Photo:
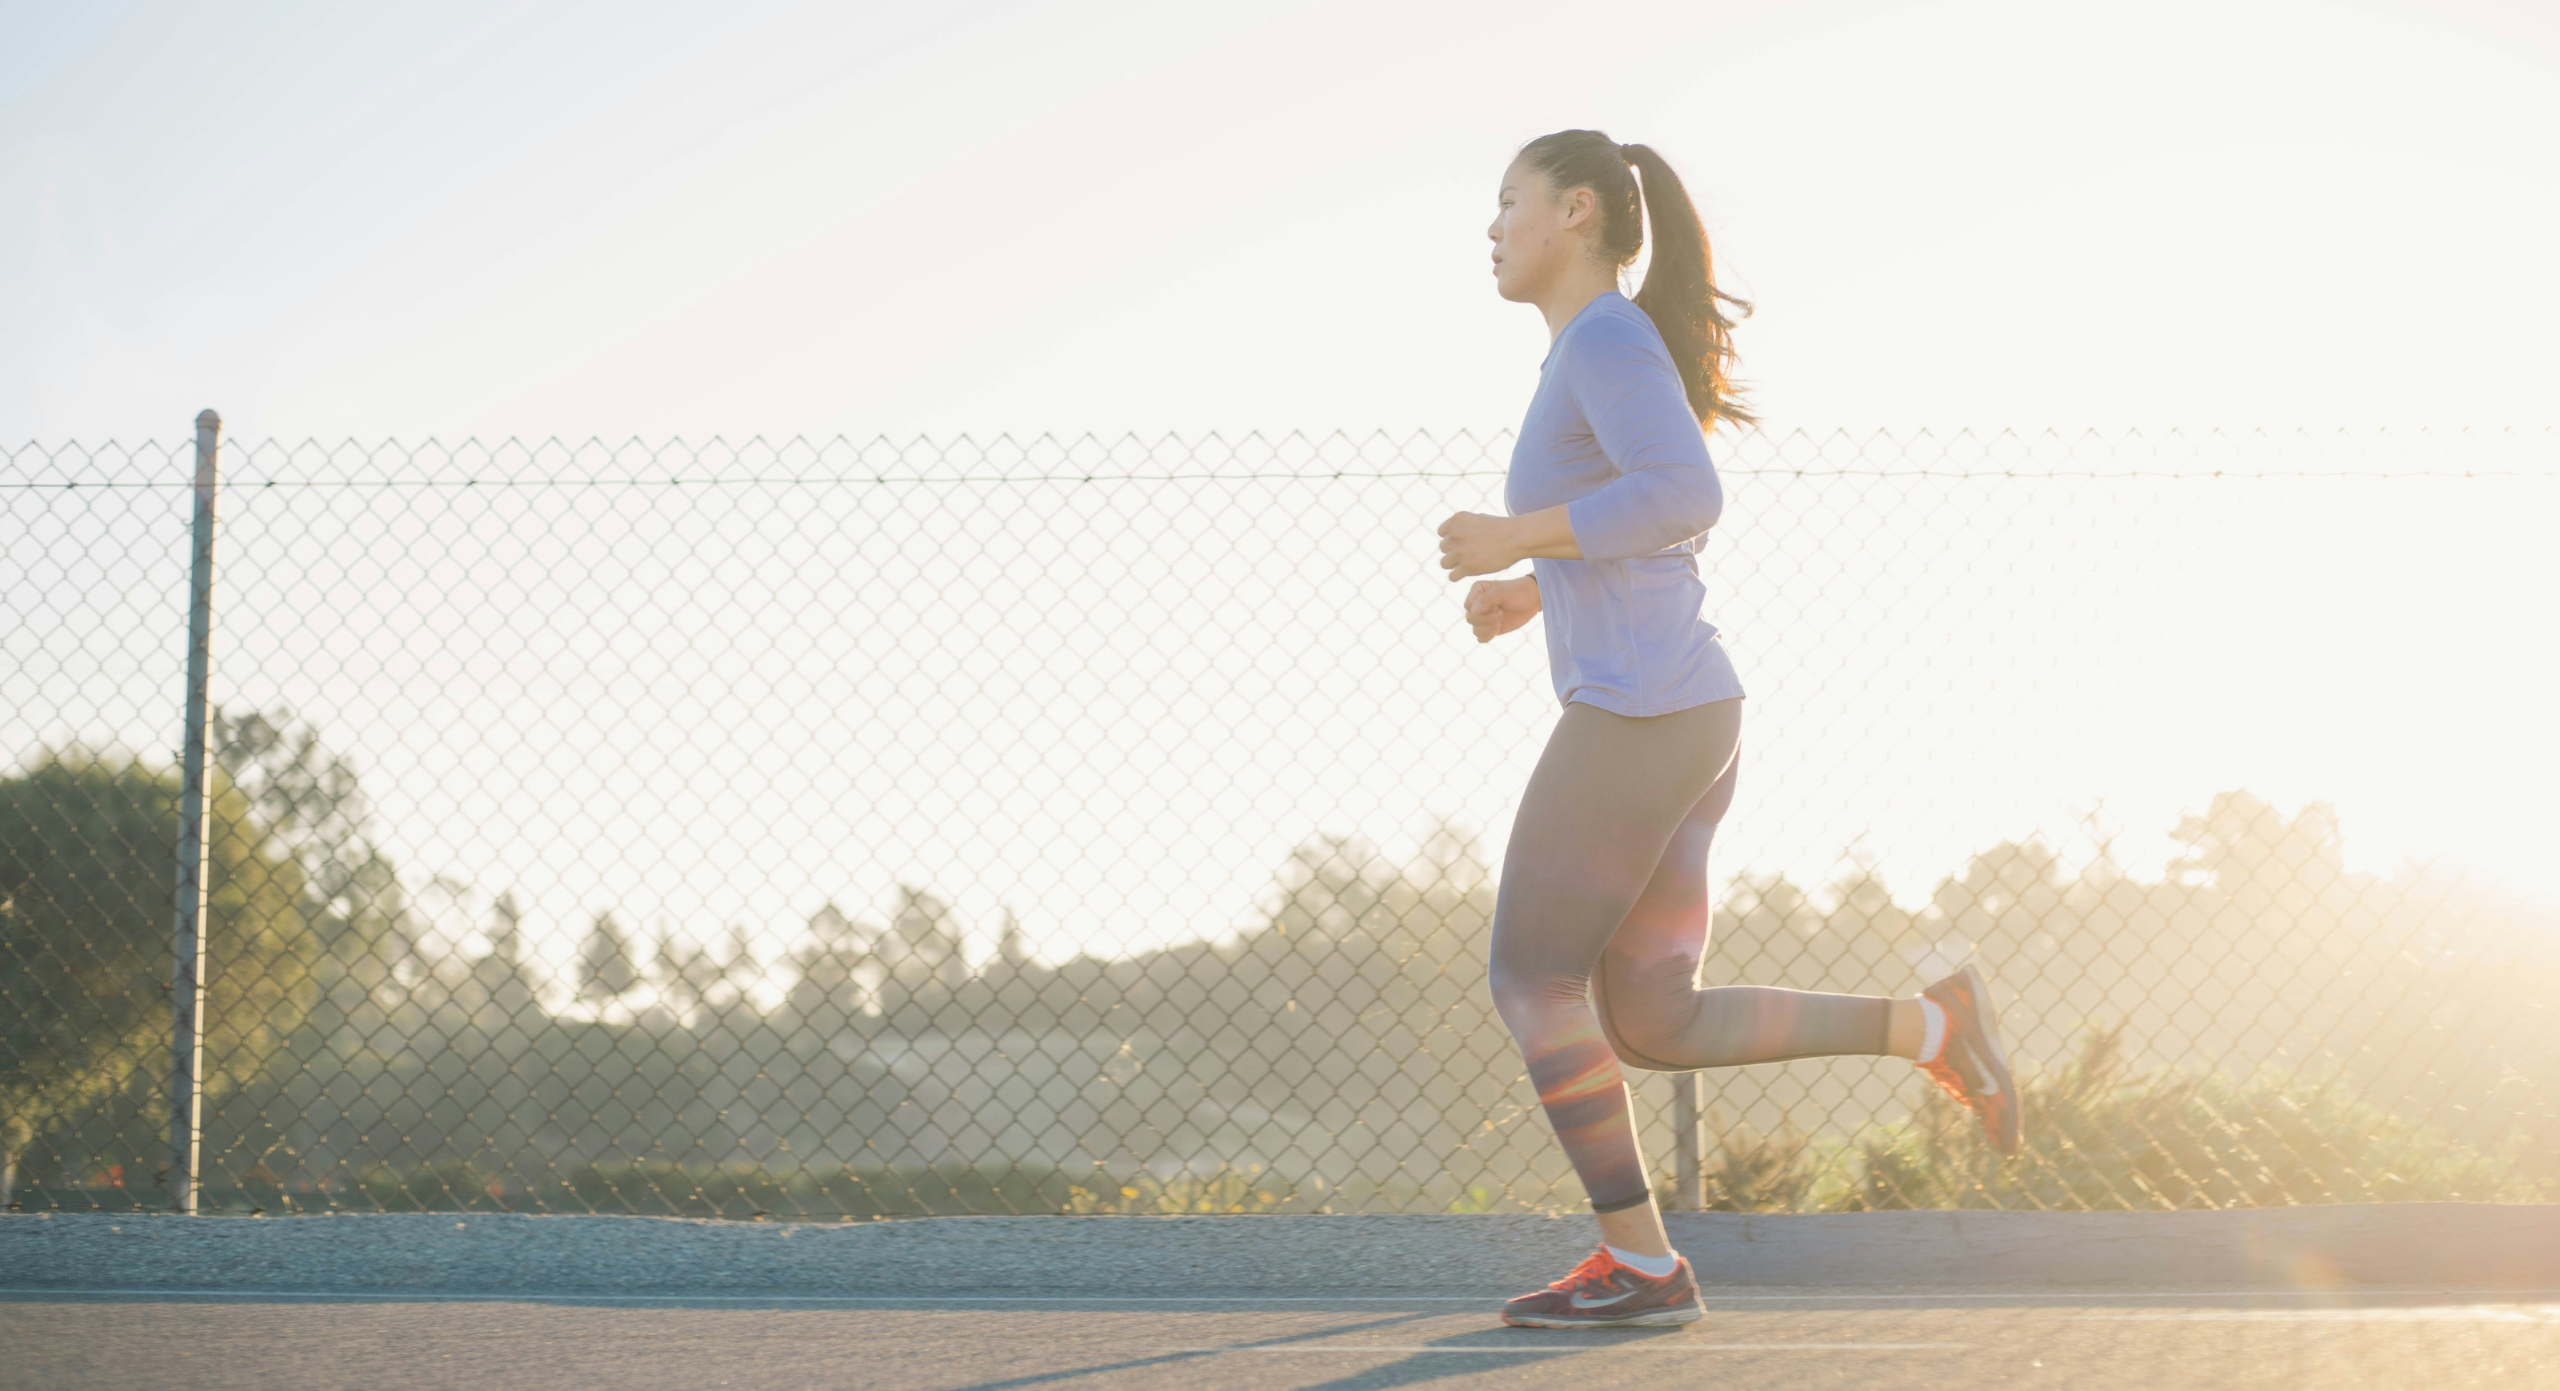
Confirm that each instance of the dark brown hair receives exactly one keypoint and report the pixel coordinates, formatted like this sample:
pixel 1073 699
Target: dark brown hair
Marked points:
pixel 1679 292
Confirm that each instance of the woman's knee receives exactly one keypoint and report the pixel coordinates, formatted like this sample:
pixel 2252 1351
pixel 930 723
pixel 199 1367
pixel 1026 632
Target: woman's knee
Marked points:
pixel 1520 1003
pixel 1531 1001
pixel 1647 1011
pixel 1639 1042
pixel 1626 1049
pixel 1644 1052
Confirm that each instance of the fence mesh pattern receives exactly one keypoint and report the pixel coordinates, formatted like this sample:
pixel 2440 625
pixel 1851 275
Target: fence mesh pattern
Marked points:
pixel 844 830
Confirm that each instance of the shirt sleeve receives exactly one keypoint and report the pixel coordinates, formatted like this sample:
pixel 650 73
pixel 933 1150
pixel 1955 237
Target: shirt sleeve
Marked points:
pixel 1666 490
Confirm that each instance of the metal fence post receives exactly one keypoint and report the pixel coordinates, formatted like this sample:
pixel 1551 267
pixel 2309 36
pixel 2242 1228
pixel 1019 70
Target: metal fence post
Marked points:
pixel 186 989
pixel 1688 1168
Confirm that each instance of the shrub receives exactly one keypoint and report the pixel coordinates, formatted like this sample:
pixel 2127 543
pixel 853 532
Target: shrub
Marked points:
pixel 2102 1137
pixel 1752 1172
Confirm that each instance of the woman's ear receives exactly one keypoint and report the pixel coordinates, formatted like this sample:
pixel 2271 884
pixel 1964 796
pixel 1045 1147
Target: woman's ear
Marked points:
pixel 1579 205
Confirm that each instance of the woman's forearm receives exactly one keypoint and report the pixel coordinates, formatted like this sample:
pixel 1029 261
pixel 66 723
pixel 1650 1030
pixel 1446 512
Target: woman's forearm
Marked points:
pixel 1546 534
pixel 1480 543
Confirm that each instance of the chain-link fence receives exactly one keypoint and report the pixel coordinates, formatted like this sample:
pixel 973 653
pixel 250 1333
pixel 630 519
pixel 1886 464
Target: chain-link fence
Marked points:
pixel 860 830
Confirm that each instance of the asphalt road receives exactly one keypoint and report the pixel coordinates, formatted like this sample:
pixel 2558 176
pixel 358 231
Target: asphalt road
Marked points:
pixel 1936 1340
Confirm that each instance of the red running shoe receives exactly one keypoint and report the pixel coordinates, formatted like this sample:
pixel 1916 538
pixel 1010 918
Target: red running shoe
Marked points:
pixel 1970 1065
pixel 1601 1293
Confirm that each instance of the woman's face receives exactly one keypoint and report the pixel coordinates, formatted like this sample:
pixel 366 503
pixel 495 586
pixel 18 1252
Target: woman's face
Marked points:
pixel 1536 234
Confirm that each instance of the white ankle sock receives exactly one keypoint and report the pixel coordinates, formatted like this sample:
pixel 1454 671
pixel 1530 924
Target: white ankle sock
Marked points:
pixel 1933 1030
pixel 1651 1267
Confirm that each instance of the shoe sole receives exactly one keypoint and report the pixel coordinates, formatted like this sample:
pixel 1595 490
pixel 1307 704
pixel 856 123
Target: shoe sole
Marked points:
pixel 1677 1313
pixel 1987 1016
pixel 1987 1012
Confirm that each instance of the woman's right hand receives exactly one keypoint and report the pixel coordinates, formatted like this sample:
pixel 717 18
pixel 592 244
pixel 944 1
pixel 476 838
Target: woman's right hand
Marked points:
pixel 1495 607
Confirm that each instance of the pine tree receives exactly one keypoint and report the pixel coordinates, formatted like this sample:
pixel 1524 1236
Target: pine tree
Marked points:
pixel 606 967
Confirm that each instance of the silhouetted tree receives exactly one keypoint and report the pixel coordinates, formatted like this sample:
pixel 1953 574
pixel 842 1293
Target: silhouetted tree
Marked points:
pixel 310 801
pixel 606 967
pixel 88 872
pixel 923 944
pixel 502 989
pixel 2256 854
pixel 837 971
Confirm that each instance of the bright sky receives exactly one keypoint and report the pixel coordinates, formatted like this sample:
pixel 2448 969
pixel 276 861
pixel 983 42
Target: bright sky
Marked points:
pixel 551 219
pixel 543 217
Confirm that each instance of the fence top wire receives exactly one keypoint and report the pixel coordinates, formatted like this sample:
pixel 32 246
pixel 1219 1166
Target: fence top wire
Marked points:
pixel 1296 456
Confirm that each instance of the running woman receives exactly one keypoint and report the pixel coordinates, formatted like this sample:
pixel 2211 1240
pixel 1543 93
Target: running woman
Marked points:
pixel 1603 910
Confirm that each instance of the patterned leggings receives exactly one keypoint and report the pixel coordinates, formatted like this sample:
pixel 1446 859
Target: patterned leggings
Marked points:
pixel 1600 923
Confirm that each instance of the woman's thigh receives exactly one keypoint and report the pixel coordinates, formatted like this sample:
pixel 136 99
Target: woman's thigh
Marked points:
pixel 1670 919
pixel 1597 822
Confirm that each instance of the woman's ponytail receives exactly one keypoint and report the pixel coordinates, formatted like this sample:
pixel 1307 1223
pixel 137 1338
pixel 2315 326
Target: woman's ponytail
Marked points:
pixel 1679 292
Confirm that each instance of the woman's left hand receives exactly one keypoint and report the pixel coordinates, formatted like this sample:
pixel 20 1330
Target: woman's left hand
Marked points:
pixel 1472 543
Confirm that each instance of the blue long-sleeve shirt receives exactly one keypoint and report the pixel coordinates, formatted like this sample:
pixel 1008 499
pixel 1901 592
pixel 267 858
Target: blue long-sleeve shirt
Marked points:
pixel 1610 436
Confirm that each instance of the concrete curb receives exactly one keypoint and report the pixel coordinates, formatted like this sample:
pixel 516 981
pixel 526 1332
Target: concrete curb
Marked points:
pixel 2370 1246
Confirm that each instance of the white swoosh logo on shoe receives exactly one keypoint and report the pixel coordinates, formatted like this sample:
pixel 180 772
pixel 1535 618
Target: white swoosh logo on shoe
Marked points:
pixel 1984 1083
pixel 1584 1301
